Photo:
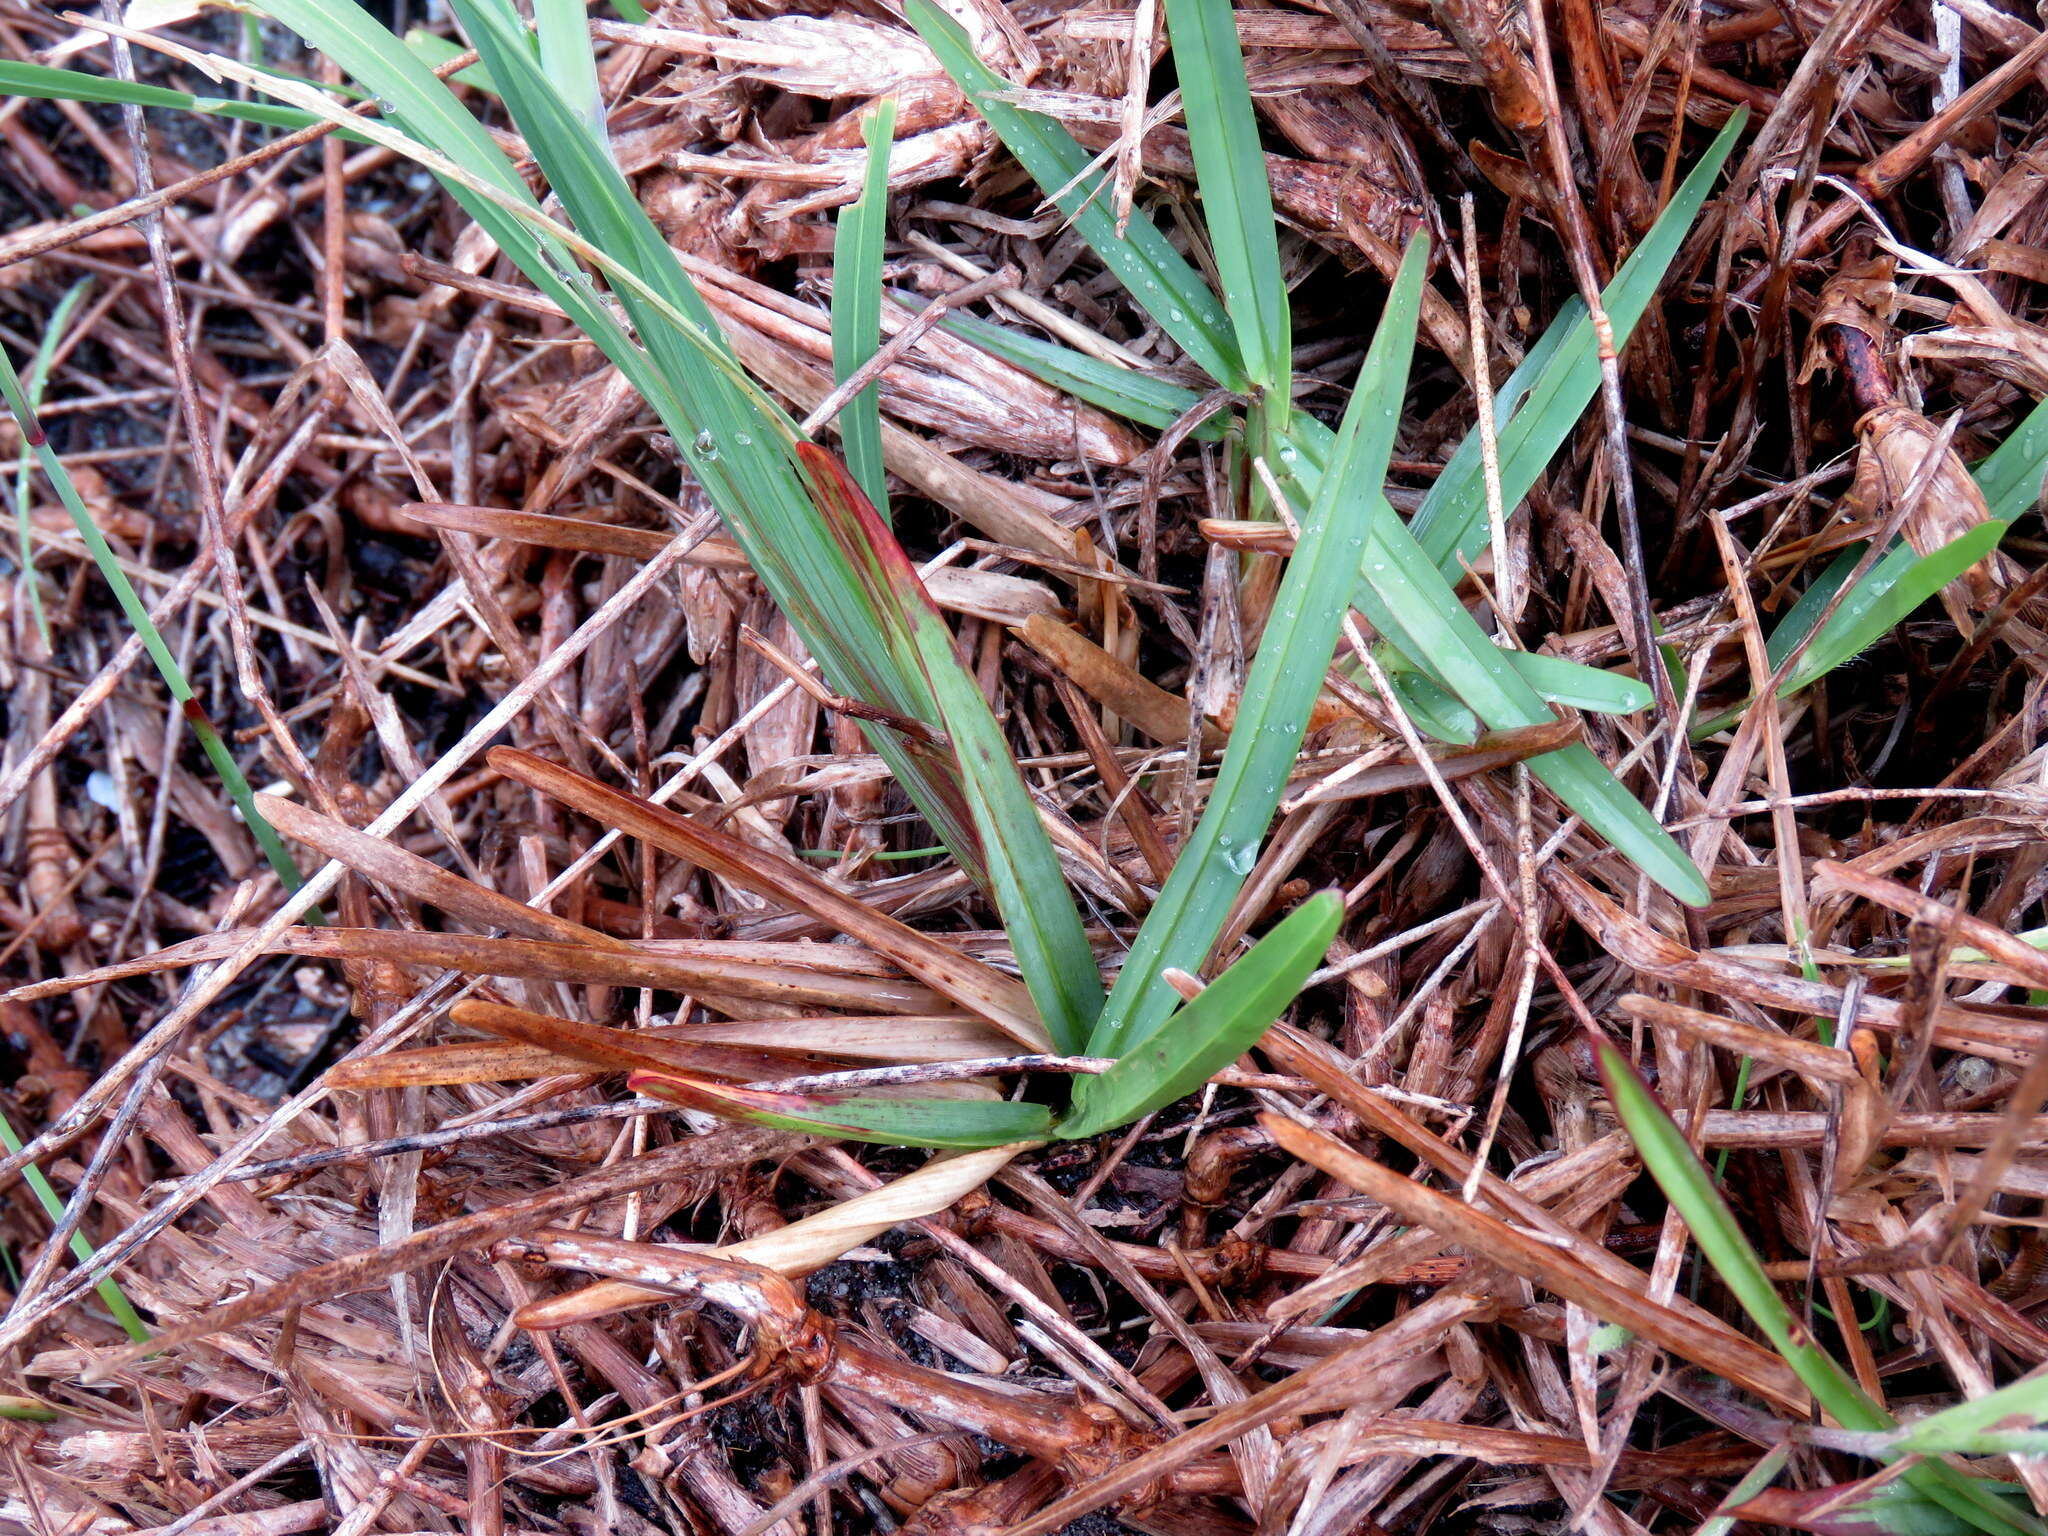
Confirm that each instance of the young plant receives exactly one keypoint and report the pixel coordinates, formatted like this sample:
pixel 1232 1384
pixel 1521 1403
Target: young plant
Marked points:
pixel 826 554
pixel 1980 1504
pixel 1406 584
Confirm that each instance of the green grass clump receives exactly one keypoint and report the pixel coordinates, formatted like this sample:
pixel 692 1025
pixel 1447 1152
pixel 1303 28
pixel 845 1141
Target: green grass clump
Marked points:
pixel 819 538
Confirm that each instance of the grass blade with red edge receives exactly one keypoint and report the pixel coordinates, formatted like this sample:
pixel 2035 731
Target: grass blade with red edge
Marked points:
pixel 1024 873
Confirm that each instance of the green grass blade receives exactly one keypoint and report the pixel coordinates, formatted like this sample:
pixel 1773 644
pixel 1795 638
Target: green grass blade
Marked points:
pixel 562 28
pixel 1559 681
pixel 1687 1184
pixel 137 614
pixel 41 82
pixel 116 1299
pixel 1886 597
pixel 435 50
pixel 32 391
pixel 1237 202
pixel 1030 891
pixel 1286 675
pixel 1953 1429
pixel 1411 603
pixel 741 446
pixel 1429 705
pixel 1214 1029
pixel 1156 275
pixel 1451 522
pixel 857 303
pixel 2015 476
pixel 1135 396
pixel 894 1122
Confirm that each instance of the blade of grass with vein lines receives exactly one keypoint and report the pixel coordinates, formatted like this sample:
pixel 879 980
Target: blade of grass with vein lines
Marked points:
pixel 32 391
pixel 742 448
pixel 1411 603
pixel 2012 480
pixel 2015 476
pixel 1215 1028
pixel 116 1299
pixel 857 304
pixel 42 82
pixel 1886 596
pixel 1687 1184
pixel 1557 380
pixel 1294 652
pixel 1030 891
pixel 740 445
pixel 1884 599
pixel 894 1122
pixel 1136 396
pixel 1156 275
pixel 562 32
pixel 1016 856
pixel 137 614
pixel 1237 201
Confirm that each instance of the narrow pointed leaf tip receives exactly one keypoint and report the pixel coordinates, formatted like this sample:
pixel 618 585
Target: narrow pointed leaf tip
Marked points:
pixel 893 1122
pixel 1224 1021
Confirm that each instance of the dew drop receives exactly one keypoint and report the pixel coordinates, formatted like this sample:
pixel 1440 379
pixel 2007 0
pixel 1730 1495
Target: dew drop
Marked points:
pixel 1175 316
pixel 741 440
pixel 707 444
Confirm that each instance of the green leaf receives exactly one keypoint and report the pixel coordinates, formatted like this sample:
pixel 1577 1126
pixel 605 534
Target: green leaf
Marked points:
pixel 1412 604
pixel 1428 704
pixel 894 1122
pixel 562 29
pixel 2015 476
pixel 1687 1184
pixel 136 612
pixel 1156 275
pixel 739 443
pixel 1237 202
pixel 1557 380
pixel 46 1195
pixel 435 50
pixel 43 83
pixel 1886 597
pixel 32 391
pixel 1030 891
pixel 1213 1030
pixel 1287 674
pixel 857 304
pixel 1557 680
pixel 1135 396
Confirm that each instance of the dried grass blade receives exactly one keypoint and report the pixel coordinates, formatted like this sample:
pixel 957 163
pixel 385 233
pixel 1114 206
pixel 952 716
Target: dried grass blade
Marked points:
pixel 973 985
pixel 575 533
pixel 361 1271
pixel 410 875
pixel 1520 1253
pixel 809 1244
pixel 605 1049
